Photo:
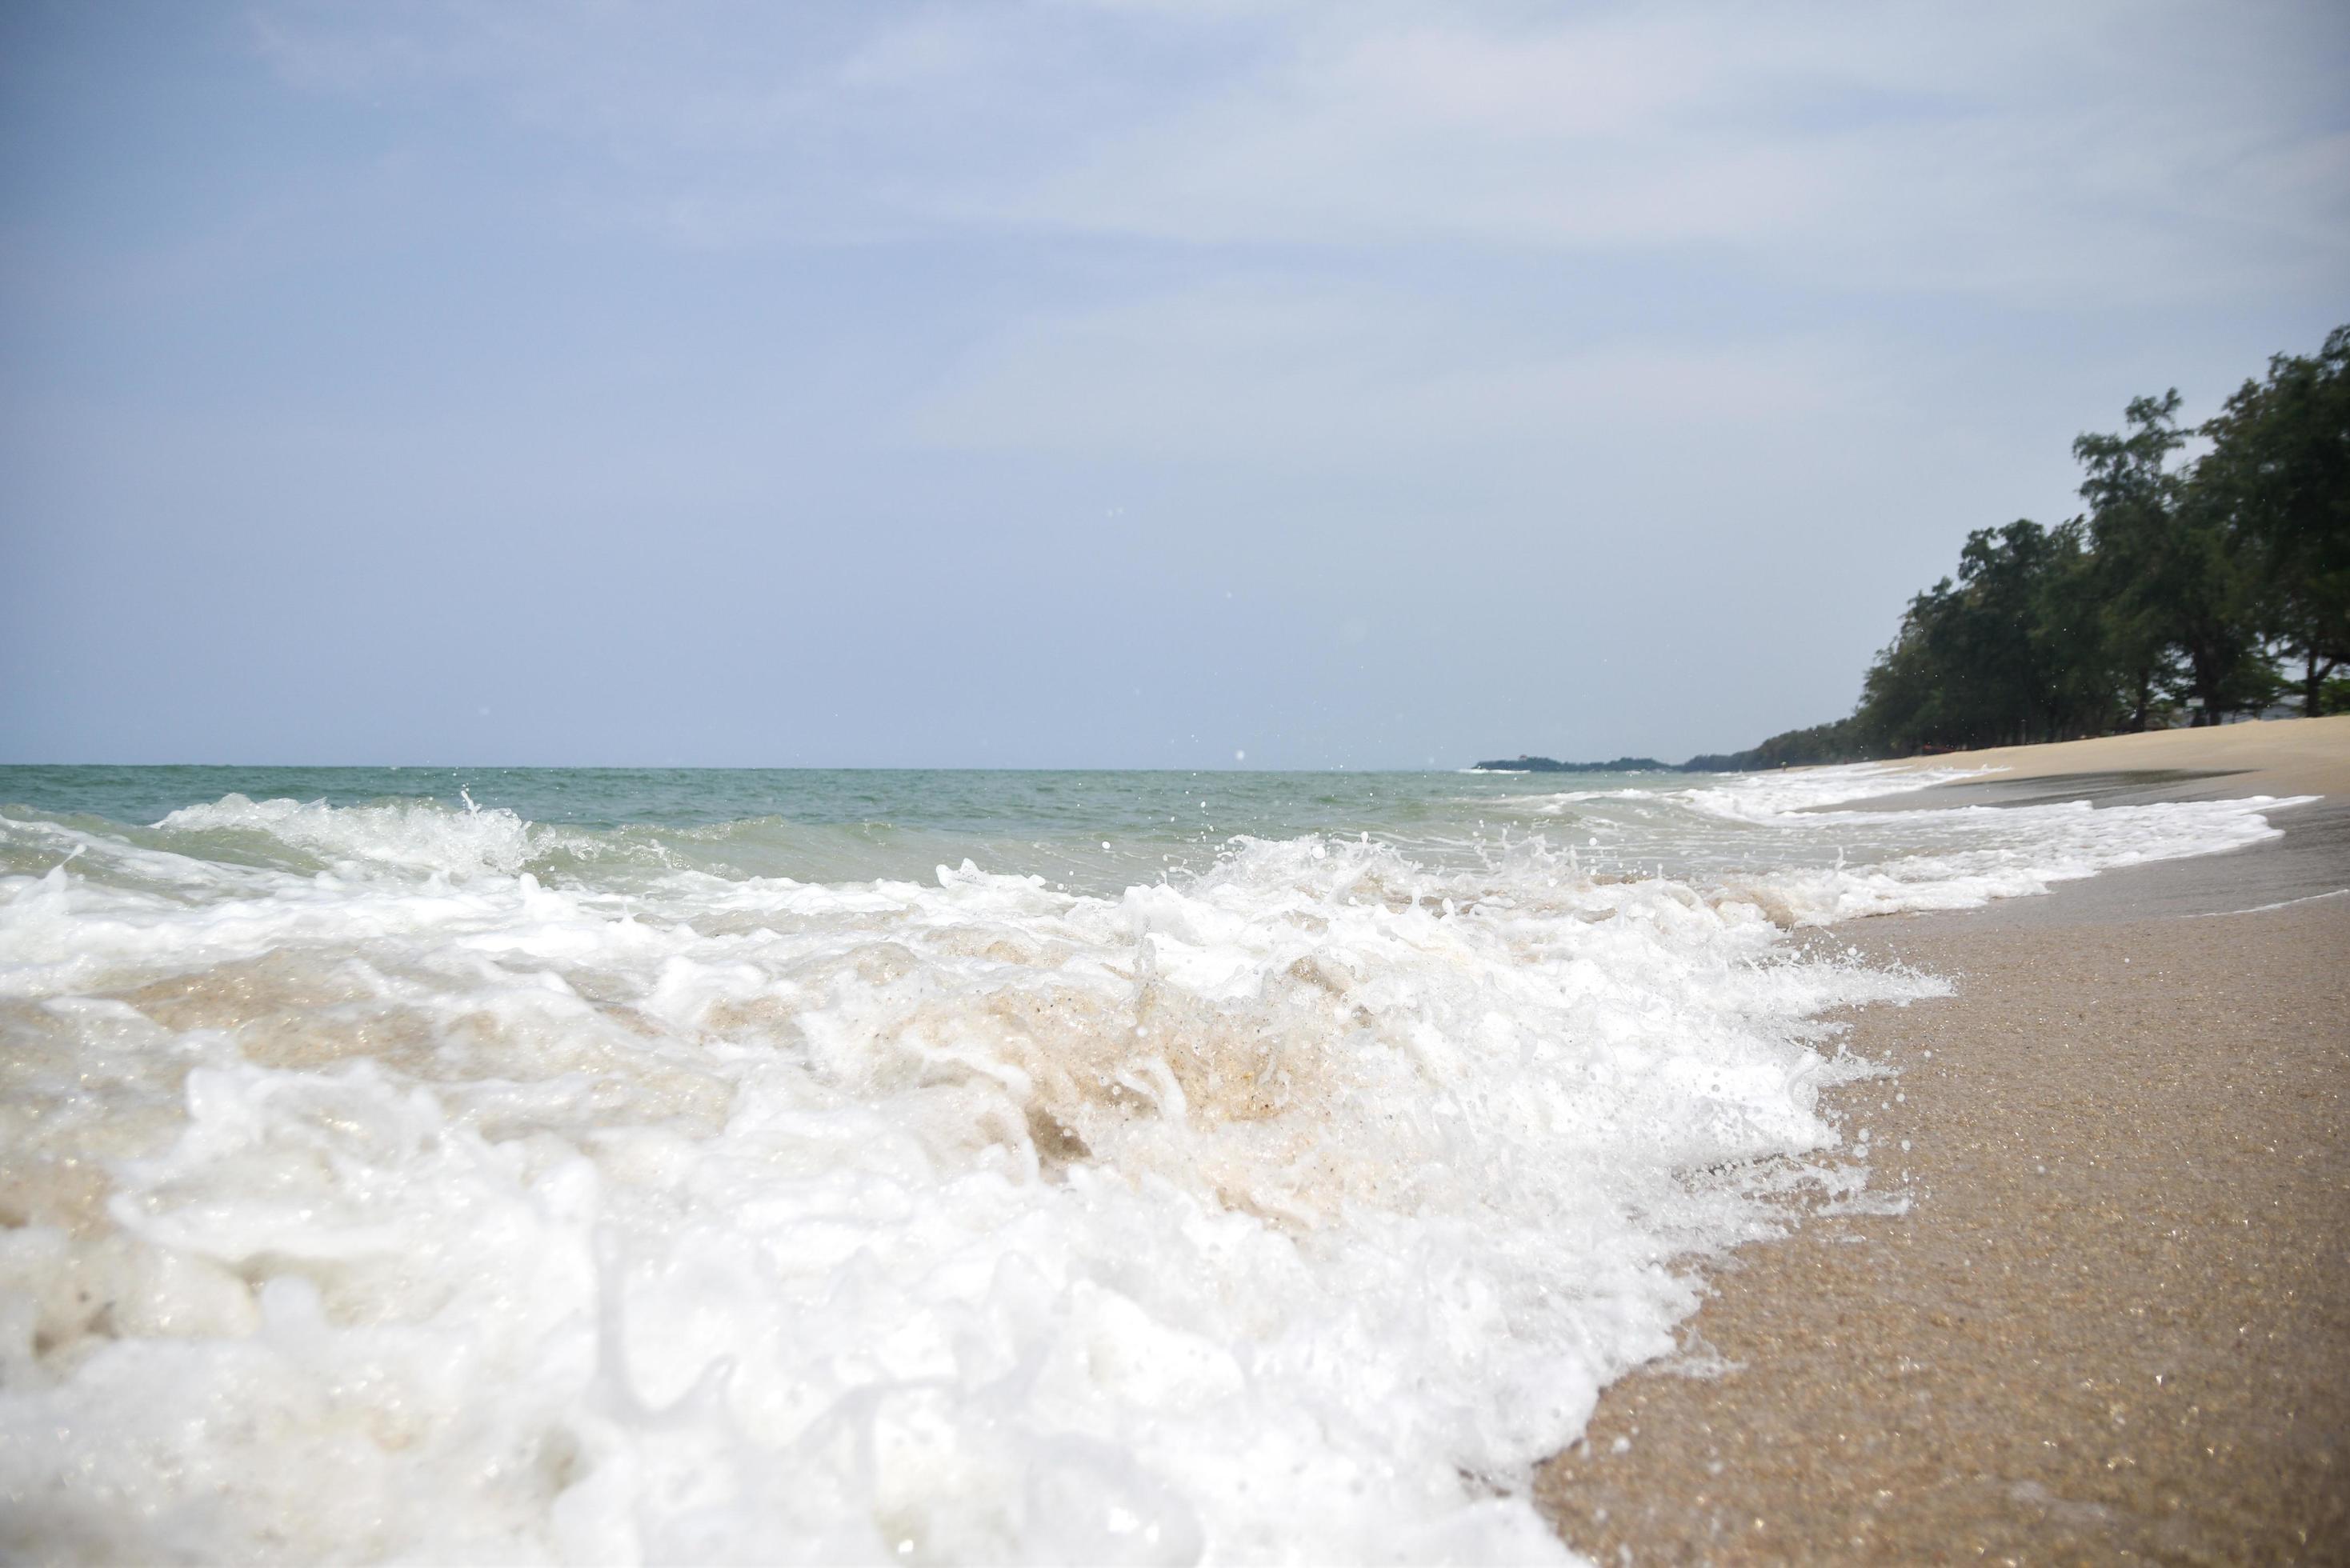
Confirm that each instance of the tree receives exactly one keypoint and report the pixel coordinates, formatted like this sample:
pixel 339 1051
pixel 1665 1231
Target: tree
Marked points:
pixel 2012 651
pixel 2082 676
pixel 2166 570
pixel 2279 472
pixel 1901 694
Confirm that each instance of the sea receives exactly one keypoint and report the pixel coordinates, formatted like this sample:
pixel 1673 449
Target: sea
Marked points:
pixel 648 1166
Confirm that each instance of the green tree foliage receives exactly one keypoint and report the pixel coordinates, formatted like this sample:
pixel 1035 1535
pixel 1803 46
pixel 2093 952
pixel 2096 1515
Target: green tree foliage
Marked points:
pixel 2178 590
pixel 2279 478
pixel 2167 568
pixel 1841 741
pixel 2012 651
pixel 2180 587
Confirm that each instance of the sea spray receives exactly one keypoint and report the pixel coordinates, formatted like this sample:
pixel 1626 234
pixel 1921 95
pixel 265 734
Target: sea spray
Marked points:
pixel 385 1181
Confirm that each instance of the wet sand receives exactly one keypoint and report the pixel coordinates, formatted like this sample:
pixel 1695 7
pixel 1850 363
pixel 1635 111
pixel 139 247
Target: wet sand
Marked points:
pixel 2116 1319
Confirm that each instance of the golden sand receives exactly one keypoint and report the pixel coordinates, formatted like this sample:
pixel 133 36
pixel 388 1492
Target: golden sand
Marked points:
pixel 2288 756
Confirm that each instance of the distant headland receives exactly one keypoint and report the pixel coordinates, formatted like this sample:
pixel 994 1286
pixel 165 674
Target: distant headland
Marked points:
pixel 1553 765
pixel 1837 742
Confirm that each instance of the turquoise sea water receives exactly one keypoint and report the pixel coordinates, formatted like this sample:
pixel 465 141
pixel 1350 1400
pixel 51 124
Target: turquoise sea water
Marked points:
pixel 979 804
pixel 1091 829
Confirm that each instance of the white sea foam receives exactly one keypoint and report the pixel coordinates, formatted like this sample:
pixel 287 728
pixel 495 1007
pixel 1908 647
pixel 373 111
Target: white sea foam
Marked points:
pixel 410 1206
pixel 417 835
pixel 1959 857
pixel 1776 796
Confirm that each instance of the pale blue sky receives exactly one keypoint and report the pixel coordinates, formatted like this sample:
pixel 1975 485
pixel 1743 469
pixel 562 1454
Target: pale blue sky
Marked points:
pixel 1114 383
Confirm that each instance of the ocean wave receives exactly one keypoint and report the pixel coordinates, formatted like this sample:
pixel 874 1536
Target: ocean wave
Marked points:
pixel 1773 796
pixel 413 834
pixel 1296 1207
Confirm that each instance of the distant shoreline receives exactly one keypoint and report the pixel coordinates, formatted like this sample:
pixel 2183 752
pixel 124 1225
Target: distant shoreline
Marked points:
pixel 2252 743
pixel 1553 765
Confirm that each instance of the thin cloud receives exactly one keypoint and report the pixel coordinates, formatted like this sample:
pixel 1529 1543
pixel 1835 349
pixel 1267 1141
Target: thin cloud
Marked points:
pixel 2045 155
pixel 1993 152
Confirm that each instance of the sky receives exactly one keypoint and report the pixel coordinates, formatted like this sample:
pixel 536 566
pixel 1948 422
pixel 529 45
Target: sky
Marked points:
pixel 1114 383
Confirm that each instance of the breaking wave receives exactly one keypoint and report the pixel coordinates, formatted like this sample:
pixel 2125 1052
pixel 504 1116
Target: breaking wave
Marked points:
pixel 402 1180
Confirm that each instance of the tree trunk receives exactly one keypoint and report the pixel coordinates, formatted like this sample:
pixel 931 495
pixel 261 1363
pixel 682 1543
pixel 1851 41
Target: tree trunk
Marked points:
pixel 2204 670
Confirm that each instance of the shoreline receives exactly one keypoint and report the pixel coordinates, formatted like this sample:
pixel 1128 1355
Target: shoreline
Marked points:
pixel 2275 757
pixel 2116 1316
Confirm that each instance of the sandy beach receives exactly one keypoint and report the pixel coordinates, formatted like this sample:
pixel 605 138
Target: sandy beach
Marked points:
pixel 2114 1320
pixel 2290 757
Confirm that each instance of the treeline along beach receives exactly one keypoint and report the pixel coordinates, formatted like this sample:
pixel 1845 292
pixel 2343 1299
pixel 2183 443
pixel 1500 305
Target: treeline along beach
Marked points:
pixel 2195 587
pixel 2207 578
